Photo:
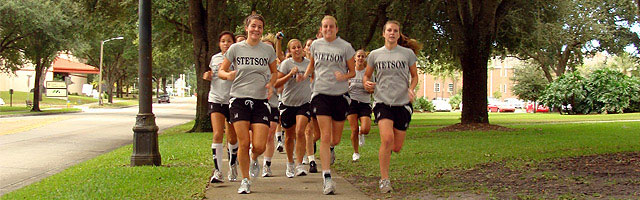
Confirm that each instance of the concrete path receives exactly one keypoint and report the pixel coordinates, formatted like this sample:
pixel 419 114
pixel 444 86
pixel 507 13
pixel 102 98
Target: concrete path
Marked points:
pixel 281 187
pixel 35 147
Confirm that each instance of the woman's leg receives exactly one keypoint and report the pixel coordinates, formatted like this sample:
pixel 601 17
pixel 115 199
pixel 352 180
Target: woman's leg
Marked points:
pixel 301 125
pixel 242 131
pixel 386 146
pixel 353 124
pixel 325 126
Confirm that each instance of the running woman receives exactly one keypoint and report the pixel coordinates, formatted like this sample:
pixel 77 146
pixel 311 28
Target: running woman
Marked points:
pixel 359 109
pixel 251 87
pixel 219 112
pixel 332 63
pixel 396 77
pixel 274 118
pixel 295 112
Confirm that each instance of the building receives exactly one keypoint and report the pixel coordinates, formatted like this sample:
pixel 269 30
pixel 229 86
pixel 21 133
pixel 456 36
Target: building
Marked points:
pixel 65 65
pixel 499 81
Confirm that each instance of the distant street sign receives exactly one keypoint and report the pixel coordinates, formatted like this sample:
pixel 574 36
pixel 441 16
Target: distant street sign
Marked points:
pixel 56 89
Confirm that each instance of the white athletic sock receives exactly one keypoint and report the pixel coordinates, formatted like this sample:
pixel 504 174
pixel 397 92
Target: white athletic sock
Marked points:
pixel 326 174
pixel 216 149
pixel 312 158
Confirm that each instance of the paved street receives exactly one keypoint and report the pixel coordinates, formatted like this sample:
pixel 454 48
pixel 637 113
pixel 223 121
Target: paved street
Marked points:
pixel 34 147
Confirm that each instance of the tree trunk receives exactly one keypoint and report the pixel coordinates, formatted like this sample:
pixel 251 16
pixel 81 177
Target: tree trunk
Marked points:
pixel 164 85
pixel 473 25
pixel 37 86
pixel 205 26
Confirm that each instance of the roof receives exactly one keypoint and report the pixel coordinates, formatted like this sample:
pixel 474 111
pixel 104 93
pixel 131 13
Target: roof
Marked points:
pixel 64 65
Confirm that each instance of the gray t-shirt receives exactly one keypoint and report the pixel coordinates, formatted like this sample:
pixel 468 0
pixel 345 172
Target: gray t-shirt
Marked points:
pixel 219 89
pixel 356 88
pixel 392 74
pixel 295 93
pixel 330 57
pixel 252 65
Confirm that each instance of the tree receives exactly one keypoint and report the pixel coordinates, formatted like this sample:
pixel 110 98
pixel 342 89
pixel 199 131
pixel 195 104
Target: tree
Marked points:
pixel 529 82
pixel 53 34
pixel 17 22
pixel 564 31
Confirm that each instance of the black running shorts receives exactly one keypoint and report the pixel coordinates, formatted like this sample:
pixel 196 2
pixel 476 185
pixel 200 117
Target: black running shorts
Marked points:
pixel 400 115
pixel 248 109
pixel 288 114
pixel 334 106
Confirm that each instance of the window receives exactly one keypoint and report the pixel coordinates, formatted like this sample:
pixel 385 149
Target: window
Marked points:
pixel 450 87
pixel 504 88
pixel 436 87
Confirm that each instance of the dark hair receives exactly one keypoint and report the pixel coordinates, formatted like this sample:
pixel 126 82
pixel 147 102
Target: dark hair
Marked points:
pixel 252 17
pixel 237 36
pixel 233 37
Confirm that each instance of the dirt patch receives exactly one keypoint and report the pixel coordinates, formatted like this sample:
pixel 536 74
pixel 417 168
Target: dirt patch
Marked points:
pixel 473 127
pixel 597 176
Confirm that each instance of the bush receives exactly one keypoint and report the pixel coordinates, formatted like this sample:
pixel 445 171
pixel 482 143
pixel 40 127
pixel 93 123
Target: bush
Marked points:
pixel 604 90
pixel 423 104
pixel 455 101
pixel 611 91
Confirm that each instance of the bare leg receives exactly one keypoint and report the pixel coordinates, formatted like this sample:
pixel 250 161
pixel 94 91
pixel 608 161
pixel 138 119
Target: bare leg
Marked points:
pixel 259 140
pixel 242 131
pixel 301 124
pixel 353 124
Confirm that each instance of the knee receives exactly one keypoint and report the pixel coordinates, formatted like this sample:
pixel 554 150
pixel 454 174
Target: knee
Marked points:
pixel 335 141
pixel 243 144
pixel 397 149
pixel 387 143
pixel 365 130
pixel 258 149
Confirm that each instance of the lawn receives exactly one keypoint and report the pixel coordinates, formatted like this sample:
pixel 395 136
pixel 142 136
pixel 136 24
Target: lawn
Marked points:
pixel 6 110
pixel 20 97
pixel 416 170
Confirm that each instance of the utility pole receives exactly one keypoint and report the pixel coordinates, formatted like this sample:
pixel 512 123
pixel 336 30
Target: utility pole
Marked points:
pixel 145 131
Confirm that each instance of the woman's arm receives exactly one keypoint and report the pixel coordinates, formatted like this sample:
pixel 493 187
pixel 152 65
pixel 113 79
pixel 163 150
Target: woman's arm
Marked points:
pixel 369 86
pixel 414 81
pixel 282 78
pixel 223 71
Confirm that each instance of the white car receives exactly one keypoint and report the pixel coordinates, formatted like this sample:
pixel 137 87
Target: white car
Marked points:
pixel 441 105
pixel 1 101
pixel 517 103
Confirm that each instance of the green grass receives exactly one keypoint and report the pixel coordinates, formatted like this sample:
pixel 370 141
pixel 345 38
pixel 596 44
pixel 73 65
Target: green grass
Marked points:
pixel 425 154
pixel 186 157
pixel 121 104
pixel 186 167
pixel 6 110
pixel 20 97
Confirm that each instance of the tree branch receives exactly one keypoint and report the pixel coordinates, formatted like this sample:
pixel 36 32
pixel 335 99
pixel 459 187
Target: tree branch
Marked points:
pixel 179 26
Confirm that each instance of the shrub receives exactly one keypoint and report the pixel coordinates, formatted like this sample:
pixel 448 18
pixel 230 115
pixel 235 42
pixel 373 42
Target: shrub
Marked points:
pixel 423 104
pixel 567 89
pixel 455 101
pixel 611 91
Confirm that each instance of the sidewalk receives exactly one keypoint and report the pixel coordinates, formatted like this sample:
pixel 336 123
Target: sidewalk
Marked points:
pixel 281 187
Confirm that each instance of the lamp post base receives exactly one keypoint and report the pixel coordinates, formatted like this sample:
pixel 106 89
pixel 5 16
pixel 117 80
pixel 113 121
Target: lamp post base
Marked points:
pixel 145 141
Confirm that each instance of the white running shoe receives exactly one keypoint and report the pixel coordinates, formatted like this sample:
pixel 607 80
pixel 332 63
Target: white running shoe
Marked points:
pixel 266 170
pixel 356 157
pixel 254 169
pixel 245 186
pixel 361 139
pixel 385 186
pixel 328 187
pixel 305 160
pixel 301 171
pixel 233 172
pixel 290 173
pixel 216 177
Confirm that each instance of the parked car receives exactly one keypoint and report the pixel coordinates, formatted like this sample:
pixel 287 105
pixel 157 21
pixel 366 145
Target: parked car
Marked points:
pixel 164 98
pixel 441 106
pixel 517 103
pixel 540 108
pixel 497 106
pixel 1 101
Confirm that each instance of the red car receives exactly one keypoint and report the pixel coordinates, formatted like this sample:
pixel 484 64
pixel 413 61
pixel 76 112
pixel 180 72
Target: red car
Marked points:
pixel 540 108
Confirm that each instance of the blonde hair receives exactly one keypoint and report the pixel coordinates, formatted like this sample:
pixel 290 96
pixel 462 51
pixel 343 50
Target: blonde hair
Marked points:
pixel 404 40
pixel 331 18
pixel 292 41
pixel 269 38
pixel 392 22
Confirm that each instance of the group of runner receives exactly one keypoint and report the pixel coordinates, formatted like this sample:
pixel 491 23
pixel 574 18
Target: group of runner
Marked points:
pixel 321 84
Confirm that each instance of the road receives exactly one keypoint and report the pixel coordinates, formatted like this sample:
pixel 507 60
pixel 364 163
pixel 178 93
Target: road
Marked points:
pixel 34 147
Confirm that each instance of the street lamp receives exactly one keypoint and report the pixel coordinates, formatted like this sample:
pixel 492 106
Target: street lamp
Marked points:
pixel 100 79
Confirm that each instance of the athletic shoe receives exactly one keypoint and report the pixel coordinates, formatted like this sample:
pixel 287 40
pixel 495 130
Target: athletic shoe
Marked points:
pixel 266 170
pixel 356 157
pixel 333 156
pixel 305 160
pixel 361 139
pixel 328 187
pixel 233 172
pixel 313 168
pixel 244 186
pixel 300 171
pixel 385 186
pixel 254 169
pixel 290 173
pixel 280 147
pixel 216 176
